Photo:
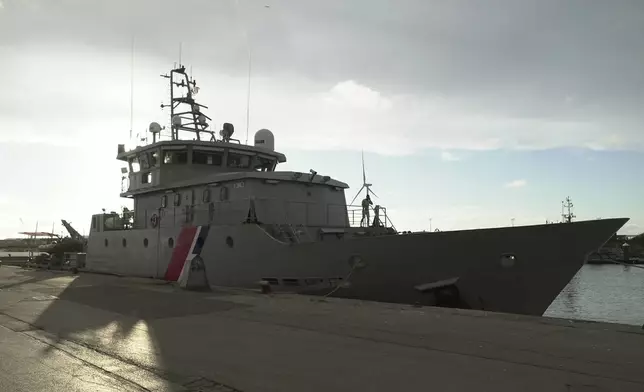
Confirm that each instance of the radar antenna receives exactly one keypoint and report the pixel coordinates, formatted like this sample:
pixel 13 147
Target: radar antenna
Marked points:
pixel 567 206
pixel 185 113
pixel 365 184
pixel 226 133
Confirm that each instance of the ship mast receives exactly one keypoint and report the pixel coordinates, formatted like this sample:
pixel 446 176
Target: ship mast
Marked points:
pixel 185 112
pixel 567 206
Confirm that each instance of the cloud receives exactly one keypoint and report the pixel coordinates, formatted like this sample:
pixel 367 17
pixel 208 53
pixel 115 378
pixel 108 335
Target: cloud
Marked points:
pixel 466 78
pixel 358 96
pixel 516 184
pixel 448 156
pixel 303 113
pixel 451 76
pixel 632 228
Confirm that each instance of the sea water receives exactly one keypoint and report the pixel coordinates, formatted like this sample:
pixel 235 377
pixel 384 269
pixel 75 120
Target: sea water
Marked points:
pixel 610 293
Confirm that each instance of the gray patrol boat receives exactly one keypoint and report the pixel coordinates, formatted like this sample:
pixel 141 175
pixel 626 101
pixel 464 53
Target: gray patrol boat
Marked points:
pixel 210 198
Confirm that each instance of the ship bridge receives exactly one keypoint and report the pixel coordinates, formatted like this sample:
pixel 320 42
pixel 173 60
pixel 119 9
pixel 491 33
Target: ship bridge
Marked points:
pixel 215 179
pixel 165 163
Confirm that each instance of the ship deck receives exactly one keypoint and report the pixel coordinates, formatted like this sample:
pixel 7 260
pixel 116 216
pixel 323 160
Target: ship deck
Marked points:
pixel 103 333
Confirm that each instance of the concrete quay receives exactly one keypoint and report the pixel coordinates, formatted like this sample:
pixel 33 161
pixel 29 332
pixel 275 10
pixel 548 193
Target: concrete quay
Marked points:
pixel 60 331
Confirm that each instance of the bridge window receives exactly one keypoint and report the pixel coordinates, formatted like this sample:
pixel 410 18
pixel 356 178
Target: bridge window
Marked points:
pixel 207 158
pixel 146 178
pixel 239 161
pixel 263 164
pixel 154 159
pixel 134 165
pixel 175 157
pixel 143 161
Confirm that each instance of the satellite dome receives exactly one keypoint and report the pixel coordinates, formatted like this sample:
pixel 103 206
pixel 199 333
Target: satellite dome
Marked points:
pixel 176 121
pixel 265 139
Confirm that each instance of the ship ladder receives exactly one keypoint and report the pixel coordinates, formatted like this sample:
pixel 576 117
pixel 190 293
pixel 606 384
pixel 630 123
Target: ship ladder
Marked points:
pixel 293 232
pixel 287 232
pixel 305 233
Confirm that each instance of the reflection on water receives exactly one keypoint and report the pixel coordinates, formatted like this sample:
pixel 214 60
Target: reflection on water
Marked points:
pixel 610 293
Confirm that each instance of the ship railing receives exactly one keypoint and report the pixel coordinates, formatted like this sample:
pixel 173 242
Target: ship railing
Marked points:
pixel 355 217
pixel 118 221
pixel 234 211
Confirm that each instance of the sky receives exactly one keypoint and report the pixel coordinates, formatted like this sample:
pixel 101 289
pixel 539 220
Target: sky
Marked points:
pixel 471 114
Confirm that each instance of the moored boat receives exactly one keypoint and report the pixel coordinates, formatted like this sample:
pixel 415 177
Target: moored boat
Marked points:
pixel 212 198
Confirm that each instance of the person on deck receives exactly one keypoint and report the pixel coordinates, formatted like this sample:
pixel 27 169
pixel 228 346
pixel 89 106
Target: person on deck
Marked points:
pixel 365 211
pixel 376 216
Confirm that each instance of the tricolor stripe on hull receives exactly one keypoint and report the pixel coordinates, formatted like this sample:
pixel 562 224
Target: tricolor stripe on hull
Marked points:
pixel 189 244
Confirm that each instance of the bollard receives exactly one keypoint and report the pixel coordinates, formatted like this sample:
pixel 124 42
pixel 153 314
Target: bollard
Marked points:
pixel 626 247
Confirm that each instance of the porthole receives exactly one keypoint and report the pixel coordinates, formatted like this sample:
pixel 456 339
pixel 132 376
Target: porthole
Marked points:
pixel 230 242
pixel 124 242
pixel 106 242
pixel 145 242
pixel 170 242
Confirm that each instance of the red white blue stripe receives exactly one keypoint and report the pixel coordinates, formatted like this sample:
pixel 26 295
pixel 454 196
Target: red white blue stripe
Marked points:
pixel 189 244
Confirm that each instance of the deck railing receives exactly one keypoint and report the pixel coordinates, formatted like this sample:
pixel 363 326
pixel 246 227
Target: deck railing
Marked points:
pixel 208 212
pixel 355 217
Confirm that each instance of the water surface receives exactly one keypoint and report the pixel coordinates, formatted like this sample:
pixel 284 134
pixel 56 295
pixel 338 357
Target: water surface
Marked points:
pixel 610 293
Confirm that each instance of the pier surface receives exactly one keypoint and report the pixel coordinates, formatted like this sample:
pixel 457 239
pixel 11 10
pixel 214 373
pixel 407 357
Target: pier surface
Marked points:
pixel 101 333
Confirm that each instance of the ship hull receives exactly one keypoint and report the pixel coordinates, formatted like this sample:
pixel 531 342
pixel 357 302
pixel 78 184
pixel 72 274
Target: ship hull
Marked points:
pixel 515 269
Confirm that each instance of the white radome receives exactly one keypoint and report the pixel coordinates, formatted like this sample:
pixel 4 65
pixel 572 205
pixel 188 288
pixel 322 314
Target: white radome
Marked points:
pixel 265 139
